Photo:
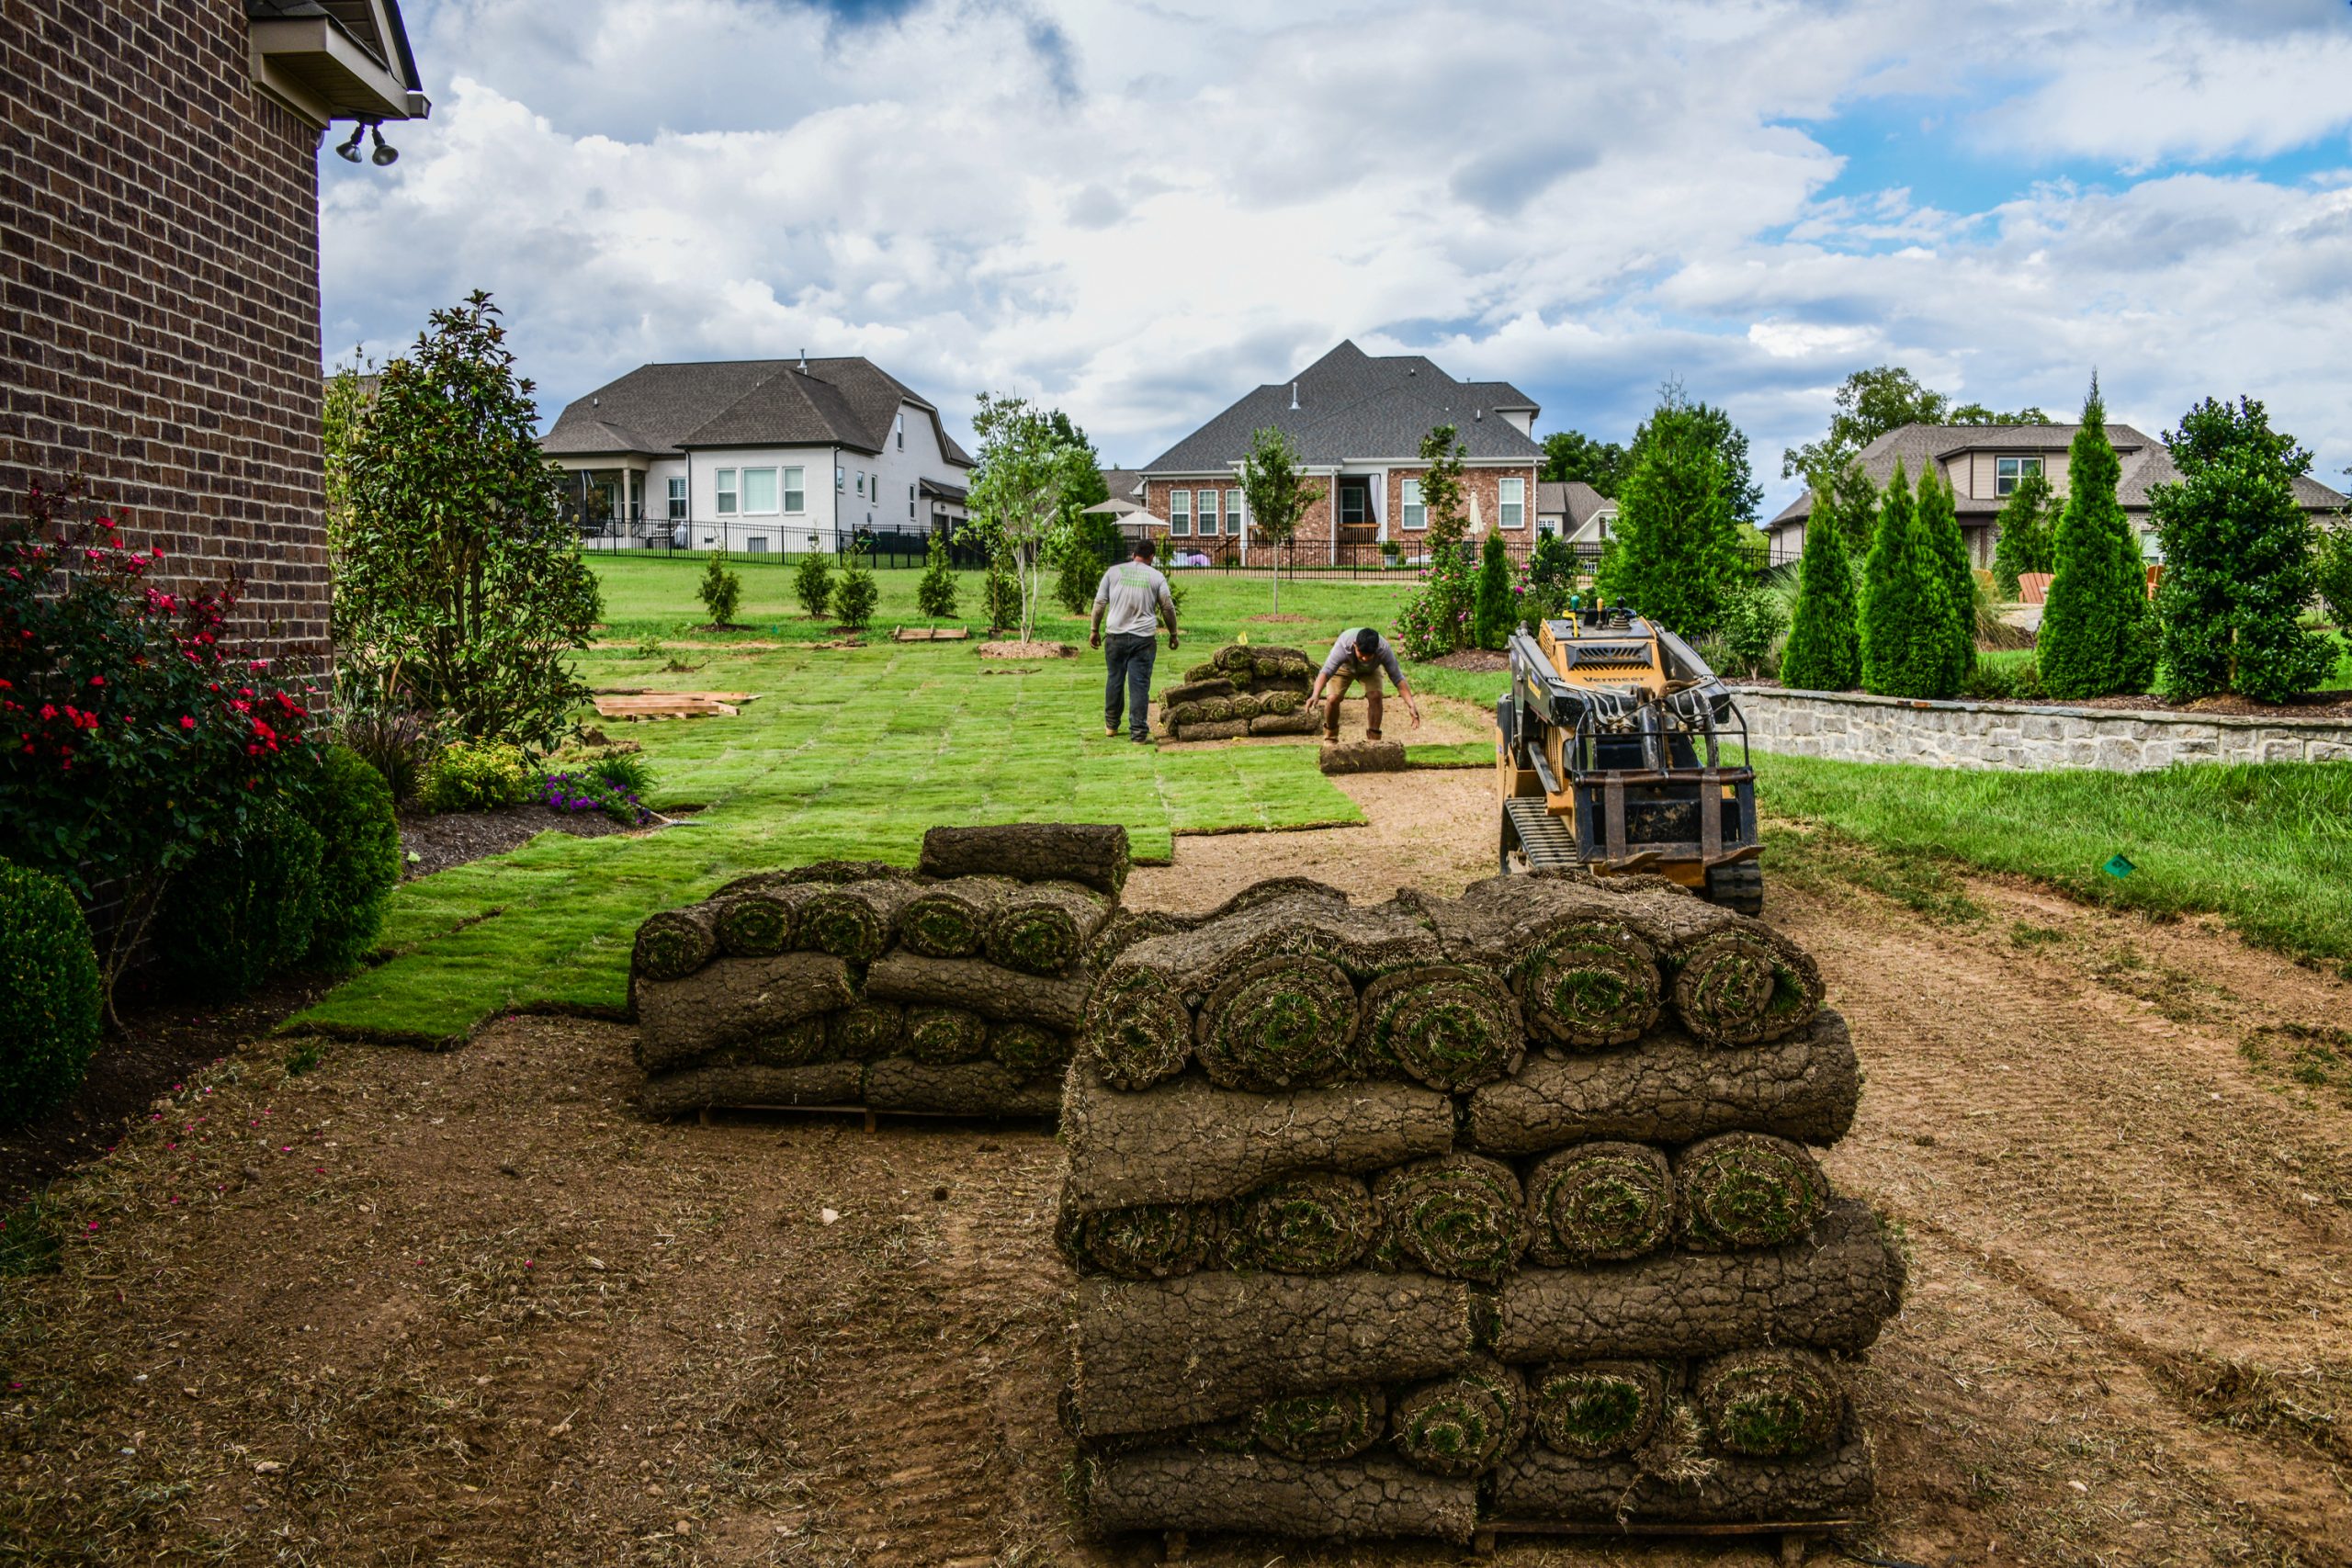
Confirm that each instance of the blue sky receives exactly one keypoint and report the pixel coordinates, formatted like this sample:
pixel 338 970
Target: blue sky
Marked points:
pixel 1138 211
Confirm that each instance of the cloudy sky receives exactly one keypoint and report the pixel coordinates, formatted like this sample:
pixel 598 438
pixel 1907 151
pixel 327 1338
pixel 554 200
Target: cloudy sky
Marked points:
pixel 1138 211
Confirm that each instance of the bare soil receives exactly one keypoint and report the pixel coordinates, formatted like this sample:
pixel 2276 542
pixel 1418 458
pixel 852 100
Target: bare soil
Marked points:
pixel 473 1308
pixel 452 838
pixel 1033 649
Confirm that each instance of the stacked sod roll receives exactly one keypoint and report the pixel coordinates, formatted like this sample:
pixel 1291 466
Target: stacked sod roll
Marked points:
pixel 955 988
pixel 1442 1216
pixel 1244 689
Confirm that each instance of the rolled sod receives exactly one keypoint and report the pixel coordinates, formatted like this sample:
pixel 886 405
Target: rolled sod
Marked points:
pixel 961 1089
pixel 1028 1050
pixel 1741 1190
pixel 1600 1202
pixel 794 1045
pixel 1203 710
pixel 996 994
pixel 950 920
pixel 695 1089
pixel 1830 1291
pixel 1745 985
pixel 1282 1022
pixel 1594 1409
pixel 1165 1353
pixel 1259 1493
pixel 1461 1425
pixel 761 920
pixel 817 871
pixel 1459 1216
pixel 1091 854
pixel 1209 729
pixel 939 1036
pixel 1361 757
pixel 675 943
pixel 854 920
pixel 1137 1029
pixel 1045 928
pixel 1673 1089
pixel 1150 1241
pixel 1537 1483
pixel 864 1031
pixel 1275 890
pixel 1770 1404
pixel 1291 918
pixel 1334 1425
pixel 1451 1027
pixel 1586 974
pixel 1194 690
pixel 1293 721
pixel 1127 927
pixel 1190 1141
pixel 731 1001
pixel 1245 705
pixel 1276 704
pixel 1316 1224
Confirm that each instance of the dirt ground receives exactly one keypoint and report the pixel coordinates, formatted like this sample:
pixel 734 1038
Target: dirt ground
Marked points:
pixel 473 1309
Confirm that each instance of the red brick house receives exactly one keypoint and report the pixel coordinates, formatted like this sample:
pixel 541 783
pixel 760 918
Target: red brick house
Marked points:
pixel 158 269
pixel 1357 422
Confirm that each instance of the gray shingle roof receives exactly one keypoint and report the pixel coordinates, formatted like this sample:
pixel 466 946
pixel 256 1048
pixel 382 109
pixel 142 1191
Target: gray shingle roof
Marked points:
pixel 1124 484
pixel 2145 462
pixel 1353 407
pixel 663 409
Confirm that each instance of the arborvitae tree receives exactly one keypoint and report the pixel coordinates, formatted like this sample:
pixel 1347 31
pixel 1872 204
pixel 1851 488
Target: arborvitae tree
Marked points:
pixel 1906 626
pixel 812 583
pixel 855 593
pixel 1947 563
pixel 1492 613
pixel 2238 559
pixel 2027 540
pixel 1678 559
pixel 721 590
pixel 936 591
pixel 1825 650
pixel 2096 638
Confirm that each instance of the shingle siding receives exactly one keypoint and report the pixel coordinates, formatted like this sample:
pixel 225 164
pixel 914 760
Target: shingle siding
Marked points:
pixel 159 293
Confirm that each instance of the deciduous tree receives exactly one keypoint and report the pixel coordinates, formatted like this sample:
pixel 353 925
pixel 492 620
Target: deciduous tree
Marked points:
pixel 1277 495
pixel 1028 468
pixel 1570 455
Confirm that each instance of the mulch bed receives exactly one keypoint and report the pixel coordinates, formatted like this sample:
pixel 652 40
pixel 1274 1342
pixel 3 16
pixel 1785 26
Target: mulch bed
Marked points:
pixel 452 838
pixel 162 1042
pixel 1479 659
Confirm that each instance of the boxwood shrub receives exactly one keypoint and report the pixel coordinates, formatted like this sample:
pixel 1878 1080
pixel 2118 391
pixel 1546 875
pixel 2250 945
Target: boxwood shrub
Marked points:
pixel 351 807
pixel 247 908
pixel 49 994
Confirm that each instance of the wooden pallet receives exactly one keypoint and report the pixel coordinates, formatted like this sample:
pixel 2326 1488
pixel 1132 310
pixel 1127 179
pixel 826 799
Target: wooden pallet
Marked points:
pixel 633 707
pixel 1796 1535
pixel 709 1114
pixel 930 634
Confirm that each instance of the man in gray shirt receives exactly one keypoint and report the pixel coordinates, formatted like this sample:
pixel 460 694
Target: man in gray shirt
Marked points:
pixel 1360 655
pixel 1125 603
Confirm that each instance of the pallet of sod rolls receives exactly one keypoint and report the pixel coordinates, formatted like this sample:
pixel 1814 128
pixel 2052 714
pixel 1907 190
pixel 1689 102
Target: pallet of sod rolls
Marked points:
pixel 1444 1217
pixel 954 989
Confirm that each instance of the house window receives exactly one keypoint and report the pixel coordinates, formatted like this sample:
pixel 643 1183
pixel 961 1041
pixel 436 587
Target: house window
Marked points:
pixel 911 501
pixel 841 478
pixel 1417 516
pixel 860 482
pixel 677 499
pixel 2008 471
pixel 756 544
pixel 902 432
pixel 1233 512
pixel 795 498
pixel 1510 504
pixel 759 491
pixel 1355 505
pixel 1207 527
pixel 727 507
pixel 1180 513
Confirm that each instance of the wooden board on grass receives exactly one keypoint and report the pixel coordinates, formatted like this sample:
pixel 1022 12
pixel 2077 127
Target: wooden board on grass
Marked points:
pixel 930 634
pixel 633 707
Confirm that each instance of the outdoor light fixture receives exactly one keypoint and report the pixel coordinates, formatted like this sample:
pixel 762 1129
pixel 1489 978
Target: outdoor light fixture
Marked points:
pixel 350 149
pixel 385 154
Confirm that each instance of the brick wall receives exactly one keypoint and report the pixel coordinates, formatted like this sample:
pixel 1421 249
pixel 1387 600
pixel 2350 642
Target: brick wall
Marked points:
pixel 159 293
pixel 1486 484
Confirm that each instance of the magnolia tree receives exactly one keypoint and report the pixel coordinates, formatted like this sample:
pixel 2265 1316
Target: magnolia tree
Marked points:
pixel 1278 495
pixel 1028 469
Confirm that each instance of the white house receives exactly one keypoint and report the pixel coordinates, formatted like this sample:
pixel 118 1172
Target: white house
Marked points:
pixel 759 455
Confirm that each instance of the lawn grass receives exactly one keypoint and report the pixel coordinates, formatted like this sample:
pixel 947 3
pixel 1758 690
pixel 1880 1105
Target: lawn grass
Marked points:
pixel 849 752
pixel 2267 847
pixel 1461 754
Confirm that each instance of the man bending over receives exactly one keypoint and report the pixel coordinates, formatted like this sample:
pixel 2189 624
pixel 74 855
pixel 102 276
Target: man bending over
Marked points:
pixel 1360 655
pixel 1125 603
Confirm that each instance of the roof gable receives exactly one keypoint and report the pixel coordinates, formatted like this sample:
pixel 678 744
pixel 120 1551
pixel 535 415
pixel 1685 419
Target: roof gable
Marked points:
pixel 662 409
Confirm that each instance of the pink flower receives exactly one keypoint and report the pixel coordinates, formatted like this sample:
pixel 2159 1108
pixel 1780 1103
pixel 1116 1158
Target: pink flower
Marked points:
pixel 187 723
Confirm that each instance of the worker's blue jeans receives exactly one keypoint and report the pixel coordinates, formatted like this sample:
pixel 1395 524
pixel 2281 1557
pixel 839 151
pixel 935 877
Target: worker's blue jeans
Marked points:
pixel 1128 657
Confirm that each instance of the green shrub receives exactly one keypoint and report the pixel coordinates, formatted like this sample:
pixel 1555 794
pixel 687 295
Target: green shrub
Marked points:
pixel 477 775
pixel 627 770
pixel 1551 580
pixel 398 745
pixel 2332 569
pixel 1492 612
pixel 49 994
pixel 812 583
pixel 1753 621
pixel 1989 684
pixel 1823 651
pixel 1000 590
pixel 351 807
pixel 2097 635
pixel 246 909
pixel 935 593
pixel 721 590
pixel 856 593
pixel 1907 618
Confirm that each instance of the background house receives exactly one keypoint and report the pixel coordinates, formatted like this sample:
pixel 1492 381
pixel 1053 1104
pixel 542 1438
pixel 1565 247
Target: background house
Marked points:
pixel 159 271
pixel 759 455
pixel 1574 512
pixel 1357 421
pixel 1982 463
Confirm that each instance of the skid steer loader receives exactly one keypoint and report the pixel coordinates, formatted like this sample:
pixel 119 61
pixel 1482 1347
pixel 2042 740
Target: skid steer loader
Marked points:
pixel 1618 750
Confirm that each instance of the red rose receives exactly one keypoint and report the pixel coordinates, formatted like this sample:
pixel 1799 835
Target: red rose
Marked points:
pixel 187 723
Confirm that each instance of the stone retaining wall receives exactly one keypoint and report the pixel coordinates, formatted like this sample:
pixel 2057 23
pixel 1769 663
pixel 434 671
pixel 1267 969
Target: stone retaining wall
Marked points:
pixel 1984 735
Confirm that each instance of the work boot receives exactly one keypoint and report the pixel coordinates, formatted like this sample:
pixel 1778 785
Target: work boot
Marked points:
pixel 1109 731
pixel 1372 735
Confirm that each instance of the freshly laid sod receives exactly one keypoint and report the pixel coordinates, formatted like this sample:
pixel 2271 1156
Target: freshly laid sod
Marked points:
pixel 2268 847
pixel 848 752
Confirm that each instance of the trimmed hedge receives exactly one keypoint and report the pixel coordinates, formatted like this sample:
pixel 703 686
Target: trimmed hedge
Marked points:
pixel 351 807
pixel 245 910
pixel 49 994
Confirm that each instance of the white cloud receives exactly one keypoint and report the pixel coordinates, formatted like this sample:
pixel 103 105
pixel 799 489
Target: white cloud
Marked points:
pixel 1138 211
